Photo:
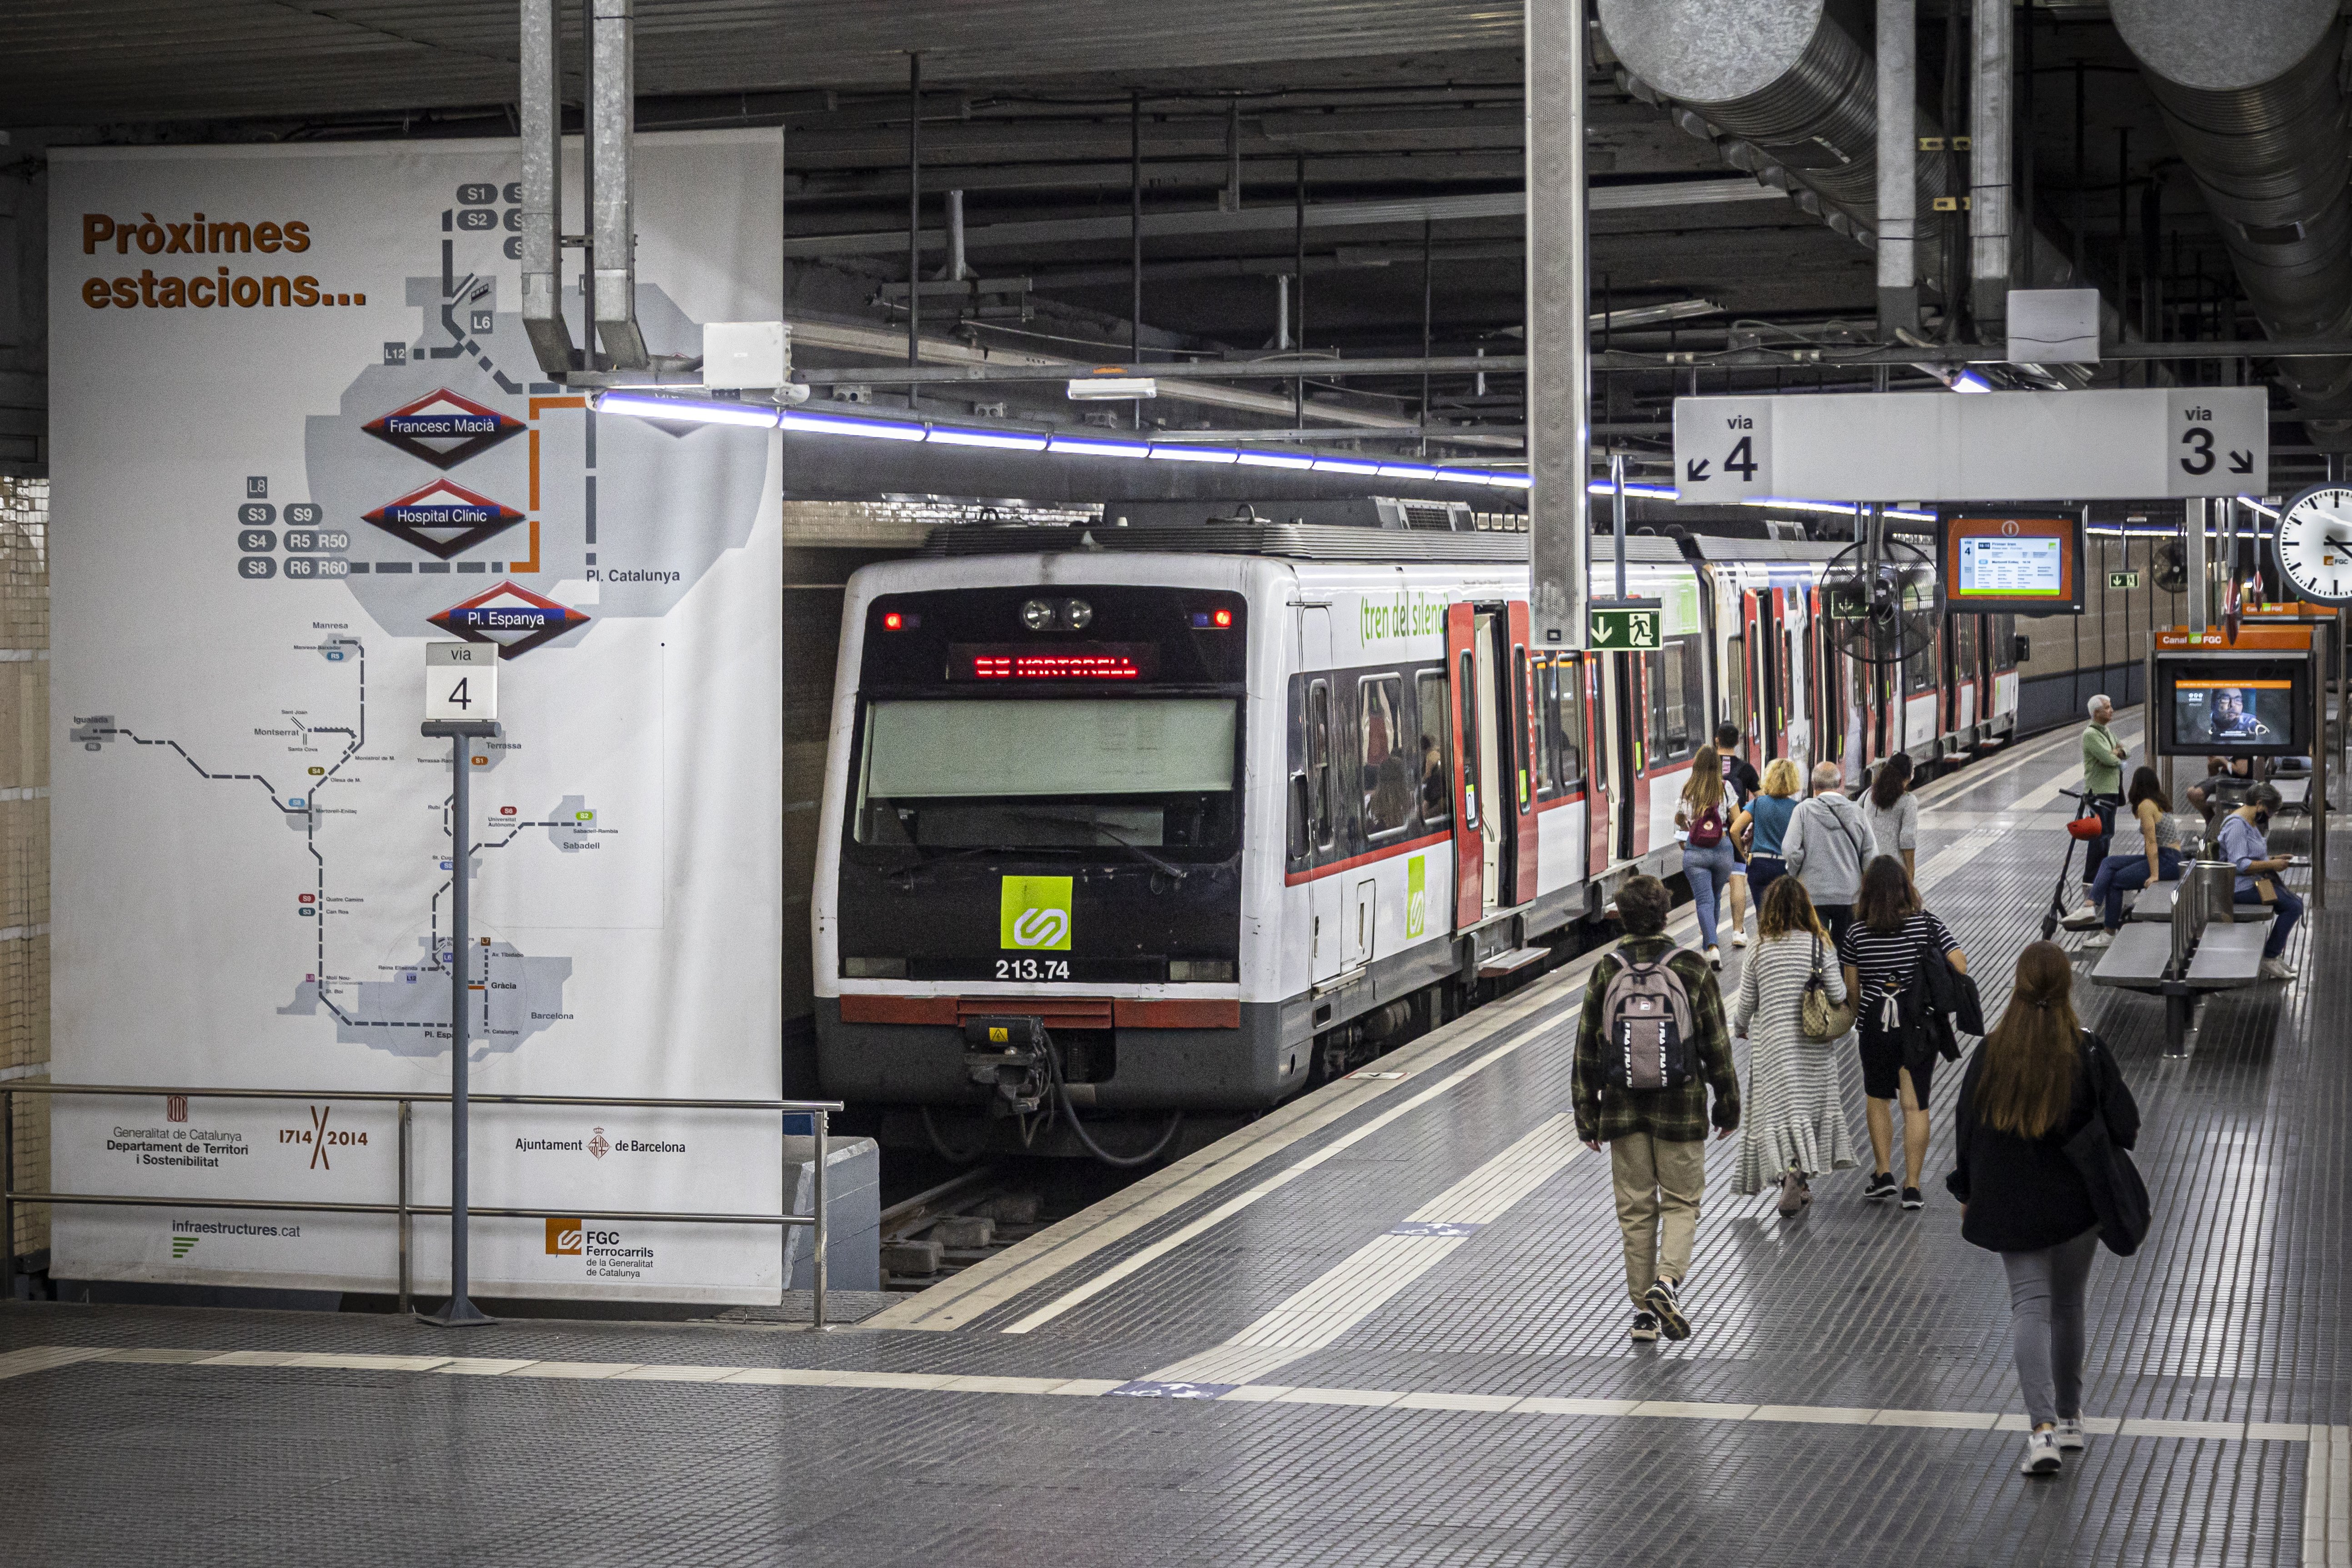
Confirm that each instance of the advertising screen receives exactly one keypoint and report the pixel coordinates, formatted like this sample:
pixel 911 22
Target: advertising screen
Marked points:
pixel 2234 707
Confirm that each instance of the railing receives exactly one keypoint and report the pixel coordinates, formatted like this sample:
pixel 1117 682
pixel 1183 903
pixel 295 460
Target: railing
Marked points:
pixel 817 1111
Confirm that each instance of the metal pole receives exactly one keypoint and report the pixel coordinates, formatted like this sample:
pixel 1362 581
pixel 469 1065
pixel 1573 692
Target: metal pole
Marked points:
pixel 1428 301
pixel 2198 587
pixel 407 1266
pixel 460 1310
pixel 1617 516
pixel 1299 310
pixel 1989 261
pixel 914 214
pixel 2317 800
pixel 1135 234
pixel 818 1126
pixel 1898 162
pixel 1559 324
pixel 7 1193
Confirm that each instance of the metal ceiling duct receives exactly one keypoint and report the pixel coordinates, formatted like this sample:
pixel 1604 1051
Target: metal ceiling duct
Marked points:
pixel 1789 79
pixel 2254 100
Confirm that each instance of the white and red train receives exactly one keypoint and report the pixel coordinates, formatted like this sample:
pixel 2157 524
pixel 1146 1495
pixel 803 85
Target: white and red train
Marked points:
pixel 1230 807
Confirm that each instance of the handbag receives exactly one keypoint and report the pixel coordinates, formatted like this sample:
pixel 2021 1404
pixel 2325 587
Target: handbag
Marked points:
pixel 2119 1196
pixel 1821 1018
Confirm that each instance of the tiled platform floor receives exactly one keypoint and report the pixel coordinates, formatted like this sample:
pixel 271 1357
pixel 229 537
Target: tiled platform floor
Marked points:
pixel 1422 1277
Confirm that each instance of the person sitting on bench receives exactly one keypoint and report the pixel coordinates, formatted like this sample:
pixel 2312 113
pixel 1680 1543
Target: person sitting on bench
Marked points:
pixel 2242 843
pixel 2227 779
pixel 2149 845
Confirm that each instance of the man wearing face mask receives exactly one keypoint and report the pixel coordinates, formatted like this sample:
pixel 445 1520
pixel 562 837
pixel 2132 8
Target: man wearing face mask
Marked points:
pixel 2243 842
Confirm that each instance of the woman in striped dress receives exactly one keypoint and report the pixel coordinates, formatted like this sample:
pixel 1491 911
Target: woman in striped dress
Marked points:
pixel 1792 1122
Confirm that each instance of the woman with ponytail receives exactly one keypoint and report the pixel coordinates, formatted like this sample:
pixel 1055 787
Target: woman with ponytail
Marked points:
pixel 2037 1080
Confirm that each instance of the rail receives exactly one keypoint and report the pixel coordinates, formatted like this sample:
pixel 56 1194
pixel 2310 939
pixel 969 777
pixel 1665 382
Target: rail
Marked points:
pixel 404 1207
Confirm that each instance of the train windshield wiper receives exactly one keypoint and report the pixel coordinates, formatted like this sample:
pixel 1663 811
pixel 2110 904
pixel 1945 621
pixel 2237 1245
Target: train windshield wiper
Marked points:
pixel 1093 826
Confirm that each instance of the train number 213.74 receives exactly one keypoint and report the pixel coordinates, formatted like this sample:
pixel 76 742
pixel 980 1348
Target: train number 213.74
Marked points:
pixel 1032 969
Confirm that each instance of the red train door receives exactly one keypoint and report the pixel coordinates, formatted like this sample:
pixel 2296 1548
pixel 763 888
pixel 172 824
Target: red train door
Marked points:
pixel 1470 803
pixel 1520 866
pixel 1601 795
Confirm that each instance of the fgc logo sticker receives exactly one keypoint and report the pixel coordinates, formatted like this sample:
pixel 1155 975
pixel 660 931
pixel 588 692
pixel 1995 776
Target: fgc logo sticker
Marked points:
pixel 565 1239
pixel 1033 914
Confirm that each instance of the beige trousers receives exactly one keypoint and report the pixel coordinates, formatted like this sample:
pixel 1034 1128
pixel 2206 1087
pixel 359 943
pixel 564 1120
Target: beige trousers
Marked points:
pixel 1658 1186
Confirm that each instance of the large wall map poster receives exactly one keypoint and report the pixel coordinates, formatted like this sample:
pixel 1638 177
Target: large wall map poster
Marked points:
pixel 298 434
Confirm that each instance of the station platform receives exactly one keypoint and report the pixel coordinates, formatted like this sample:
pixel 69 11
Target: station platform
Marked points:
pixel 1383 1324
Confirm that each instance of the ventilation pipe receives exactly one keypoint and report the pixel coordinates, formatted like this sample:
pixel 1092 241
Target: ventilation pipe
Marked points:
pixel 611 124
pixel 2255 105
pixel 540 112
pixel 1989 261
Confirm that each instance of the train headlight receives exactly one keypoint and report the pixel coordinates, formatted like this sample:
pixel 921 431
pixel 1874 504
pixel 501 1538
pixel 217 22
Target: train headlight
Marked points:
pixel 1080 613
pixel 1037 615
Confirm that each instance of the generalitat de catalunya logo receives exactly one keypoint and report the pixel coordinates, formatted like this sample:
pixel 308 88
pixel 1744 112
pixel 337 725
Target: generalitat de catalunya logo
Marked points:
pixel 444 519
pixel 514 619
pixel 1033 914
pixel 565 1239
pixel 443 428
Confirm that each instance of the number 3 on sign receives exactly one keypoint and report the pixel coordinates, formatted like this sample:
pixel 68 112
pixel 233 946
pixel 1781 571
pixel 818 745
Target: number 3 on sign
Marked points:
pixel 461 680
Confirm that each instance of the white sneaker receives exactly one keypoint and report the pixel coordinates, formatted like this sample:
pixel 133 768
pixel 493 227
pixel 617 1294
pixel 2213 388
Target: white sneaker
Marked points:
pixel 1739 939
pixel 2069 1434
pixel 2093 943
pixel 2041 1455
pixel 1715 957
pixel 2273 969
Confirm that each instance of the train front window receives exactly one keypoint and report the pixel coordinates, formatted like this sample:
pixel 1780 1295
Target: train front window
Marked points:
pixel 1072 773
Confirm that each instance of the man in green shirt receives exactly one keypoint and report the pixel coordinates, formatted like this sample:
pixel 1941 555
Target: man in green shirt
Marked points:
pixel 1656 1138
pixel 2103 778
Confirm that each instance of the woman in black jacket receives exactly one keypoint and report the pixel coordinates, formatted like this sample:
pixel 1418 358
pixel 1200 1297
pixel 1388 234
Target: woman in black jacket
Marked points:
pixel 2036 1081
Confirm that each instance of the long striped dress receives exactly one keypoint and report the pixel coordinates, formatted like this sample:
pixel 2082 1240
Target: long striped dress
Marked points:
pixel 1790 1113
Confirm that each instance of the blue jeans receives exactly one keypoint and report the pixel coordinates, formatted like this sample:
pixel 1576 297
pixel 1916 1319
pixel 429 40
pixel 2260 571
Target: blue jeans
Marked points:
pixel 1709 871
pixel 2121 874
pixel 2289 908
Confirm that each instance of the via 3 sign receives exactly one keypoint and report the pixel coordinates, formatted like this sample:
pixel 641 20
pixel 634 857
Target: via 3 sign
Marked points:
pixel 1958 446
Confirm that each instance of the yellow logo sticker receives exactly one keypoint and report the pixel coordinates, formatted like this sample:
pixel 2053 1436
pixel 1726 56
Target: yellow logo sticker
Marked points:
pixel 1034 914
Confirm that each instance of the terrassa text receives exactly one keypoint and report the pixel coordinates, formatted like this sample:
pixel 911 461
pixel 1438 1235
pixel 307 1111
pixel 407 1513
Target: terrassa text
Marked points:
pixel 200 236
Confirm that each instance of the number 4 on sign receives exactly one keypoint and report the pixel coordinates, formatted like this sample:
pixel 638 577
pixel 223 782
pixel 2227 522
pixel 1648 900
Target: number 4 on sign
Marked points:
pixel 461 681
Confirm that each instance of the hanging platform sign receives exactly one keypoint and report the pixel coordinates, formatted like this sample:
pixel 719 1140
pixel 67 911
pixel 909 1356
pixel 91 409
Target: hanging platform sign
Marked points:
pixel 1957 446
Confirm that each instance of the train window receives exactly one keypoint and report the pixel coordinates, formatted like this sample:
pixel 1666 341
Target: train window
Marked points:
pixel 1434 706
pixel 1734 683
pixel 1318 764
pixel 1677 699
pixel 1964 647
pixel 2004 642
pixel 1919 673
pixel 1564 723
pixel 1524 706
pixel 1385 779
pixel 1468 692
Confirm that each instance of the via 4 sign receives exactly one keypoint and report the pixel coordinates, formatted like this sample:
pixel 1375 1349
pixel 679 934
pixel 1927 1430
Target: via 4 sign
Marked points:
pixel 461 680
pixel 1940 446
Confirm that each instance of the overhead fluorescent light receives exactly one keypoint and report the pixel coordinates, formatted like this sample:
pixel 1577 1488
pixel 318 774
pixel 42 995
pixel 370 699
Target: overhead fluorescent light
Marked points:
pixel 1195 454
pixel 1109 388
pixel 688 411
pixel 869 430
pixel 1346 466
pixel 1089 447
pixel 1003 440
pixel 1293 461
pixel 1969 381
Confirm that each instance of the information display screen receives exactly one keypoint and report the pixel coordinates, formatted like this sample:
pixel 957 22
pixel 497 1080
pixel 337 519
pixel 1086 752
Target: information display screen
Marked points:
pixel 2011 565
pixel 2238 708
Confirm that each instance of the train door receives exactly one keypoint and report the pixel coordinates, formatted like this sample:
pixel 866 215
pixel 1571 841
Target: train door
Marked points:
pixel 1602 793
pixel 1486 834
pixel 1616 722
pixel 1797 731
pixel 1521 762
pixel 1967 676
pixel 1326 895
pixel 1772 701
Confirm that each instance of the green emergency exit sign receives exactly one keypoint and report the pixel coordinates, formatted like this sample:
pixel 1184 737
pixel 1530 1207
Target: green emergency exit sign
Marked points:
pixel 1620 629
pixel 2123 580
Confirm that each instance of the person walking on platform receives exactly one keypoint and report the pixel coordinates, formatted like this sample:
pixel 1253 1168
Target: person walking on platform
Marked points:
pixel 2244 842
pixel 1891 936
pixel 1740 782
pixel 1793 1124
pixel 2151 841
pixel 1711 824
pixel 1769 813
pixel 2035 1084
pixel 2103 780
pixel 1650 1044
pixel 1827 844
pixel 1892 812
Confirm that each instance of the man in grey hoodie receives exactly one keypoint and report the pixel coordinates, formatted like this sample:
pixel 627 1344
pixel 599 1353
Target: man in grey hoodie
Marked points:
pixel 1827 844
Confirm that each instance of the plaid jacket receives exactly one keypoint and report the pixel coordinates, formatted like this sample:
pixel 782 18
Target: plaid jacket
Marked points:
pixel 1673 1115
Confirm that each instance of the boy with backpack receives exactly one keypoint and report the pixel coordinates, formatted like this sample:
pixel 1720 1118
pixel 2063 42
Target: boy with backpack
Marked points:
pixel 1651 1043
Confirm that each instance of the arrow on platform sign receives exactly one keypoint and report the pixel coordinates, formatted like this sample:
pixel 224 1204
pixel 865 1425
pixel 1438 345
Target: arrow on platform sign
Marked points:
pixel 2241 462
pixel 1696 470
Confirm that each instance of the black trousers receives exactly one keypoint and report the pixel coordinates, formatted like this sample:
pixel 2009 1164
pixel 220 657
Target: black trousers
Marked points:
pixel 2107 806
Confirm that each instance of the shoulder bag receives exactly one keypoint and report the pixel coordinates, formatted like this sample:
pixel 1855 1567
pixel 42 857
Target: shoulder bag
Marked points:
pixel 1822 1019
pixel 2118 1197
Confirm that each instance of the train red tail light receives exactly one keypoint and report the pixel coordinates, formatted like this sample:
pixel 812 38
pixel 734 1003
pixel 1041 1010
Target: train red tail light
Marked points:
pixel 1213 620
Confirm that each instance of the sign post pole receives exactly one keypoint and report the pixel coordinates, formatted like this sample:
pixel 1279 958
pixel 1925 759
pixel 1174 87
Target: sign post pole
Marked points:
pixel 461 703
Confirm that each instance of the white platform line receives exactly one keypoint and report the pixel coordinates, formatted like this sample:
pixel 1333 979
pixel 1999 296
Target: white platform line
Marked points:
pixel 2328 1513
pixel 1354 1289
pixel 2327 1498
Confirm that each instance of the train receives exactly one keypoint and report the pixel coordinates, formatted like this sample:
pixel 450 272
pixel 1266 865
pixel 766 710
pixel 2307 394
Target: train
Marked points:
pixel 1126 823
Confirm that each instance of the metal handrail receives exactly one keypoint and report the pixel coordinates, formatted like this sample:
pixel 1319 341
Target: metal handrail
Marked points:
pixel 817 1110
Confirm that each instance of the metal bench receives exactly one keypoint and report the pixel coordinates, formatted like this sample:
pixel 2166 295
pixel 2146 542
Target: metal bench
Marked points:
pixel 2154 902
pixel 2200 945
